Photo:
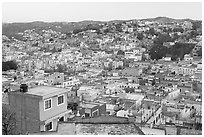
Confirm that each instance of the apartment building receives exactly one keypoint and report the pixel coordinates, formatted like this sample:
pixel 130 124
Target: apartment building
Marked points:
pixel 39 108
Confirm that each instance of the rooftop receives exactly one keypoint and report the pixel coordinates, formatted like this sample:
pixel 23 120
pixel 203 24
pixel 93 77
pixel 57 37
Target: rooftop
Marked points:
pixel 106 129
pixel 103 125
pixel 88 105
pixel 46 91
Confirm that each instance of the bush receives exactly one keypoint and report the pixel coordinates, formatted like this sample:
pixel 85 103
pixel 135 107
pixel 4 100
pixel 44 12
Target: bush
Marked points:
pixel 176 51
pixel 8 65
pixel 8 121
pixel 140 36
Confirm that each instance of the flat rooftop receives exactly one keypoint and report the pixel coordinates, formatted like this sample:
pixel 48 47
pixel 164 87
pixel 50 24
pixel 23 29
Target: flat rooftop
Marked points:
pixel 92 129
pixel 46 91
pixel 102 125
pixel 106 129
pixel 88 105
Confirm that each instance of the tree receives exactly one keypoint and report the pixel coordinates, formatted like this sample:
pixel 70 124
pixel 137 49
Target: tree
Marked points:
pixel 68 34
pixel 163 38
pixel 60 68
pixel 120 52
pixel 15 78
pixel 151 31
pixel 197 25
pixel 178 30
pixel 77 31
pixel 140 36
pixel 199 52
pixel 8 65
pixel 158 51
pixel 8 121
pixel 180 49
pixel 106 31
pixel 53 50
pixel 119 27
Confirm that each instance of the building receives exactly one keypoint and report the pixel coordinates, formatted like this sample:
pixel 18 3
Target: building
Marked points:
pixel 174 93
pixel 185 70
pixel 103 125
pixel 39 109
pixel 56 79
pixel 88 93
pixel 71 82
pixel 187 25
pixel 188 57
pixel 90 109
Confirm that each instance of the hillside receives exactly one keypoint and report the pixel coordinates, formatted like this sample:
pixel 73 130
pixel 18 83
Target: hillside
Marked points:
pixel 11 29
pixel 166 20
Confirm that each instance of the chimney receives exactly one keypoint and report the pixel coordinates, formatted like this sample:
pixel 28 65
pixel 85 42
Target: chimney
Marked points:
pixel 23 88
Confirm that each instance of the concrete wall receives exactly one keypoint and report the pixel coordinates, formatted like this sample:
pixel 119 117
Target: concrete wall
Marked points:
pixel 56 78
pixel 55 110
pixel 100 108
pixel 27 112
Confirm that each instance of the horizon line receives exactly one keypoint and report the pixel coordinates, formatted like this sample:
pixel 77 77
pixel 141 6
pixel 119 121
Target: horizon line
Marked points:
pixel 101 20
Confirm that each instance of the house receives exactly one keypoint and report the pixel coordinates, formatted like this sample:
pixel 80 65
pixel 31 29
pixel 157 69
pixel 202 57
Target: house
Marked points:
pixel 40 108
pixel 88 93
pixel 39 74
pixel 117 64
pixel 122 113
pixel 185 70
pixel 133 55
pixel 174 94
pixel 71 82
pixel 113 88
pixel 167 58
pixel 115 73
pixel 130 30
pixel 110 109
pixel 187 25
pixel 92 109
pixel 187 57
pixel 56 78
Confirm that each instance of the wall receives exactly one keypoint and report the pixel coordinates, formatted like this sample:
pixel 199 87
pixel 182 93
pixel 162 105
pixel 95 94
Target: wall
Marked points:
pixel 27 111
pixel 55 110
pixel 101 108
pixel 54 79
pixel 131 72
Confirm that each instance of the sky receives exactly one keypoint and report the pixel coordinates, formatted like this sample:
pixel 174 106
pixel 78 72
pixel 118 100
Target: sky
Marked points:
pixel 99 11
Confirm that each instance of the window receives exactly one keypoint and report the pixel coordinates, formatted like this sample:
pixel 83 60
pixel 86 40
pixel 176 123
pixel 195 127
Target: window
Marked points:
pixel 87 115
pixel 60 99
pixel 48 126
pixel 61 119
pixel 95 113
pixel 48 104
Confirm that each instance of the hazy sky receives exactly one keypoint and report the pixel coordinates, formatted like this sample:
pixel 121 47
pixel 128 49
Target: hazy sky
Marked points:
pixel 100 11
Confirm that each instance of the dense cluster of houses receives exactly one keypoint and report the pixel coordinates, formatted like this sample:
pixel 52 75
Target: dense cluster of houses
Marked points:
pixel 101 76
